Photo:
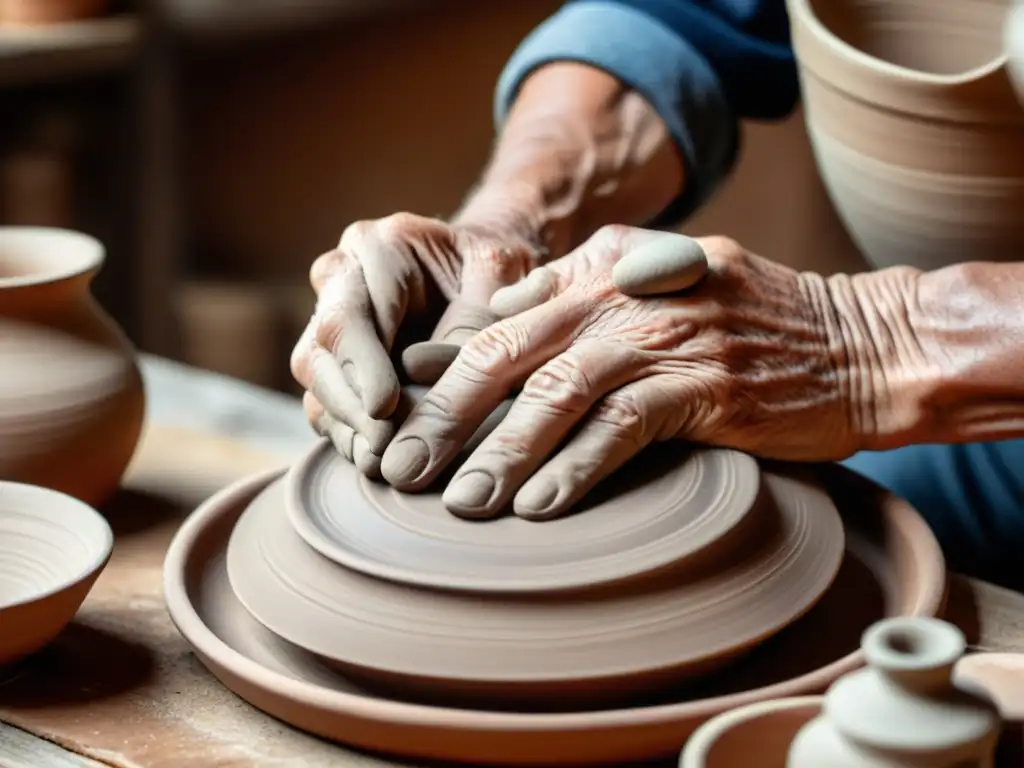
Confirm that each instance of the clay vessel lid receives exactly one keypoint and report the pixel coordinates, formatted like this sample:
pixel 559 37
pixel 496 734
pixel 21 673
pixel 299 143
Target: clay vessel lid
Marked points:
pixel 674 507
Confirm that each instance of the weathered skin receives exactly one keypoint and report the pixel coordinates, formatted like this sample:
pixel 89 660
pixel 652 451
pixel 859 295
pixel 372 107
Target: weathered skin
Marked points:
pixel 756 357
pixel 580 149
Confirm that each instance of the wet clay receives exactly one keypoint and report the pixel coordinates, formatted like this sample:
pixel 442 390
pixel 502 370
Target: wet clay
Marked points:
pixel 667 264
pixel 685 508
pixel 892 567
pixel 598 645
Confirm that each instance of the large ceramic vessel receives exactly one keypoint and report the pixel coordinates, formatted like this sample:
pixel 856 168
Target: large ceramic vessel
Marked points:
pixel 71 397
pixel 915 125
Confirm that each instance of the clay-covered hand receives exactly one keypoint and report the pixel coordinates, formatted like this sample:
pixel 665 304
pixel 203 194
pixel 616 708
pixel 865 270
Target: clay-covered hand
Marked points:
pixel 387 279
pixel 752 358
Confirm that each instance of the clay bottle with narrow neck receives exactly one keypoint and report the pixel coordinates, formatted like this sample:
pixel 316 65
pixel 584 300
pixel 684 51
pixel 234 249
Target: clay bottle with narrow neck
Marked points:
pixel 902 710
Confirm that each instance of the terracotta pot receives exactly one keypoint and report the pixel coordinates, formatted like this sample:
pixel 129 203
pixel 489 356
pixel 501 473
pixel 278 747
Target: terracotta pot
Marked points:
pixel 754 735
pixel 915 126
pixel 50 11
pixel 71 396
pixel 52 550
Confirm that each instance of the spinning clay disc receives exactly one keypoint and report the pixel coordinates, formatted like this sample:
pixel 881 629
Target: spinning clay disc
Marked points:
pixel 674 506
pixel 606 641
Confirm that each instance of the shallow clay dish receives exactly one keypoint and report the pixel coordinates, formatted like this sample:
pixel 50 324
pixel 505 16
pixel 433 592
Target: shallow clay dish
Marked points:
pixel 600 646
pixel 52 549
pixel 678 506
pixel 893 566
pixel 756 735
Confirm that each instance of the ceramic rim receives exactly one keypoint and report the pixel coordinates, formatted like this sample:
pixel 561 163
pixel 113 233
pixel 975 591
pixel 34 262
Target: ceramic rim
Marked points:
pixel 35 493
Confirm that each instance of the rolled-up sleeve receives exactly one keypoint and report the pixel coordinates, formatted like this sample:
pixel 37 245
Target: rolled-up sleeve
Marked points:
pixel 702 66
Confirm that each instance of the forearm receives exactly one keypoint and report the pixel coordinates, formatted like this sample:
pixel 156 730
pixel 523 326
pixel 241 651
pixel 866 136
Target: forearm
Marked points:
pixel 942 350
pixel 579 149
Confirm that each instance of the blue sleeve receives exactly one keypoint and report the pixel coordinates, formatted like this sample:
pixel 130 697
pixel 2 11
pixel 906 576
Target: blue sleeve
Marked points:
pixel 702 64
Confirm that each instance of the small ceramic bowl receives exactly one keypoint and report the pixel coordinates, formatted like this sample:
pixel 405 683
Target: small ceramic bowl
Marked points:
pixel 755 735
pixel 52 549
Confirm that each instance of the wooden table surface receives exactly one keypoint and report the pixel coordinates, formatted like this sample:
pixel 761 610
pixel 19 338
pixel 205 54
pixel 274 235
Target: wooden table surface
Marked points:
pixel 122 688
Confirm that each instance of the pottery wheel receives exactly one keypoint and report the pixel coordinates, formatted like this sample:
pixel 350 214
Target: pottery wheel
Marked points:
pixel 671 506
pixel 664 627
pixel 892 556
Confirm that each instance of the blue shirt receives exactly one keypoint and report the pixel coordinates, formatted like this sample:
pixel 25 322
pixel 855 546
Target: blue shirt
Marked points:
pixel 702 64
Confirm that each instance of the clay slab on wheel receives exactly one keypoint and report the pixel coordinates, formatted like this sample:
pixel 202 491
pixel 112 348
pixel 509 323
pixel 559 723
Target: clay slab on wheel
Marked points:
pixel 673 506
pixel 541 649
pixel 893 566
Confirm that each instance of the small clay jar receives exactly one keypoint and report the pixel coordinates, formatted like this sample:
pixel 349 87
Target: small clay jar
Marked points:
pixel 903 710
pixel 71 396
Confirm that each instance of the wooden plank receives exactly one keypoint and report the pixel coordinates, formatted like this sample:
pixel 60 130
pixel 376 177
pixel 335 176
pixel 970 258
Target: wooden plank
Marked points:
pixel 20 749
pixel 30 55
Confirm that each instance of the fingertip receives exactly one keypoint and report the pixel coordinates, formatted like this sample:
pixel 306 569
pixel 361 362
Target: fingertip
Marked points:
pixel 380 394
pixel 426 361
pixel 366 461
pixel 536 288
pixel 539 500
pixel 378 435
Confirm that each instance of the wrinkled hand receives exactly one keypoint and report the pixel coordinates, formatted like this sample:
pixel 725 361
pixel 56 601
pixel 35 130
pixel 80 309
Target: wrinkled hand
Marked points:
pixel 746 359
pixel 384 277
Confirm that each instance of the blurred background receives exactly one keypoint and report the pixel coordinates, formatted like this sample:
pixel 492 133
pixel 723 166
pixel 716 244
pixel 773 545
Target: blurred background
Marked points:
pixel 218 146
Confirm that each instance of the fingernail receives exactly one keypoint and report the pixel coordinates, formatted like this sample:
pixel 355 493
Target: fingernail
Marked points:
pixel 469 493
pixel 365 460
pixel 535 499
pixel 405 461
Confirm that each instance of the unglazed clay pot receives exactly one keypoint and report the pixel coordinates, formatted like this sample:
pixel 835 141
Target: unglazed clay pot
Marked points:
pixel 915 126
pixel 71 396
pixel 755 735
pixel 35 12
pixel 903 710
pixel 52 549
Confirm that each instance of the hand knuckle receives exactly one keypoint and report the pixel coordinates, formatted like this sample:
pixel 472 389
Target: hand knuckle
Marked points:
pixel 561 385
pixel 300 363
pixel 356 233
pixel 327 333
pixel 611 234
pixel 401 224
pixel 494 349
pixel 622 415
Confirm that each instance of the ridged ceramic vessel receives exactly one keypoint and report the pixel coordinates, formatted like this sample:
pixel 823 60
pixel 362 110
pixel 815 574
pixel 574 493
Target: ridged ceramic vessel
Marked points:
pixel 915 125
pixel 52 550
pixel 71 396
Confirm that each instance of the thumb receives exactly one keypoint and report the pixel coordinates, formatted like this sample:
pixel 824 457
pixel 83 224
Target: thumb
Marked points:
pixel 425 361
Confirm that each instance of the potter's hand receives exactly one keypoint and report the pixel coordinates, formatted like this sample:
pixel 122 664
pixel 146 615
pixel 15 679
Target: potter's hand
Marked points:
pixel 384 277
pixel 751 358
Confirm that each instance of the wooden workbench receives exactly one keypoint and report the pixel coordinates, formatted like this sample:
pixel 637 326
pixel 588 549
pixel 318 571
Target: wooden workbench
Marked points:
pixel 121 687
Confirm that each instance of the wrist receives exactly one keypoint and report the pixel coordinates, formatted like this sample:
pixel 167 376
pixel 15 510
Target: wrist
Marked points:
pixel 886 380
pixel 579 150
